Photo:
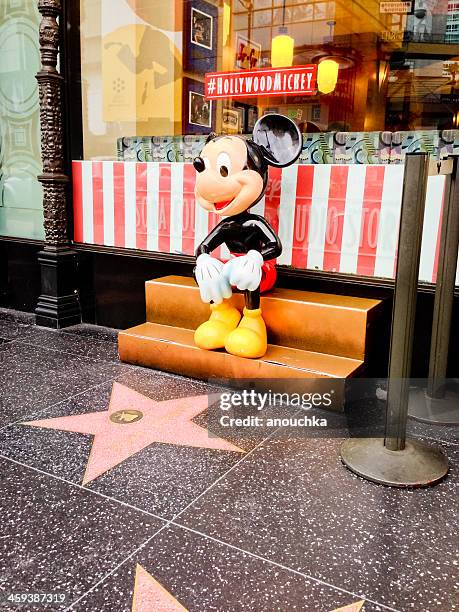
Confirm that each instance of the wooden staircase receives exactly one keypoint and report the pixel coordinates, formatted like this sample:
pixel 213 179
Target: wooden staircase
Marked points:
pixel 310 335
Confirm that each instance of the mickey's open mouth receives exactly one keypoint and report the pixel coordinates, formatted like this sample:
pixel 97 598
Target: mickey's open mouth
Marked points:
pixel 222 205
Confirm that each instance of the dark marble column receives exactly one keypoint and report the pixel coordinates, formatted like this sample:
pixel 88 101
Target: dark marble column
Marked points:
pixel 58 305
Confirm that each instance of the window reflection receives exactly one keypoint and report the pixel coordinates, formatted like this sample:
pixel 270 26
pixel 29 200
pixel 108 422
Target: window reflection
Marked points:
pixel 144 61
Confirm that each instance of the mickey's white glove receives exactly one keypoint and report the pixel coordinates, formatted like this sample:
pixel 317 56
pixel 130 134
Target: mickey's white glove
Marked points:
pixel 213 285
pixel 244 272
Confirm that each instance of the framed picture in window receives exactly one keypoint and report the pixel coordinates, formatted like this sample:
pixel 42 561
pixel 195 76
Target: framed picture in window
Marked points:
pixel 201 29
pixel 248 115
pixel 252 118
pixel 242 118
pixel 200 36
pixel 248 53
pixel 315 112
pixel 231 121
pixel 198 113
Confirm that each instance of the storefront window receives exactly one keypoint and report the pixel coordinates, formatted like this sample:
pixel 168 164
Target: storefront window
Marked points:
pixel 21 200
pixel 372 80
pixel 143 66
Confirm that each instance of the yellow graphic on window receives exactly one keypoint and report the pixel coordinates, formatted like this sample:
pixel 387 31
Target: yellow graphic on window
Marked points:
pixel 141 74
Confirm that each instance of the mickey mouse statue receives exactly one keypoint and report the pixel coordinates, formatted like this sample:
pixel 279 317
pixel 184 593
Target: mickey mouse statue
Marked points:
pixel 232 177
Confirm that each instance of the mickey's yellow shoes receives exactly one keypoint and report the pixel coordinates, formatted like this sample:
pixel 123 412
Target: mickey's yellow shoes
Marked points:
pixel 249 338
pixel 213 333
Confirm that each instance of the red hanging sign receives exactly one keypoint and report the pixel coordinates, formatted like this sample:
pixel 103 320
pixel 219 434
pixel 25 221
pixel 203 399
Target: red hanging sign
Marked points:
pixel 294 81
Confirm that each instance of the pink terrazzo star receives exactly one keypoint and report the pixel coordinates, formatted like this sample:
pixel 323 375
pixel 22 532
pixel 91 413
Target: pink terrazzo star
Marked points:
pixel 150 595
pixel 353 607
pixel 168 422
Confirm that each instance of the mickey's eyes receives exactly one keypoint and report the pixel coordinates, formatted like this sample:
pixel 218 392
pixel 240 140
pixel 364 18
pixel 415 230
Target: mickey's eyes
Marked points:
pixel 199 164
pixel 224 164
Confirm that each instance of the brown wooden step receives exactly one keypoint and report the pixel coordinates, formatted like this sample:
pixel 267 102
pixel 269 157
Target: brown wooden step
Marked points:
pixel 316 322
pixel 172 349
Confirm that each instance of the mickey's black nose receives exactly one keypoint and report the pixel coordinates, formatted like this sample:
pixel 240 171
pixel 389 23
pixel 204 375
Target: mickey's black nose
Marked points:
pixel 199 164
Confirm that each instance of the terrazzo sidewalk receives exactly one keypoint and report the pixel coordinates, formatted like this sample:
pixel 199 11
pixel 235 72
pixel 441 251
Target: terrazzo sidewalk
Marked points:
pixel 115 498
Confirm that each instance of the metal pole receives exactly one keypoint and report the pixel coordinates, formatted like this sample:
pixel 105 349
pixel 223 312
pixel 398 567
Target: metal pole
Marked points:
pixel 444 291
pixel 394 460
pixel 438 404
pixel 404 309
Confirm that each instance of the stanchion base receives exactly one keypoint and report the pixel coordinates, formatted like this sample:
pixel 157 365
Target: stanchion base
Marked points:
pixel 426 409
pixel 418 465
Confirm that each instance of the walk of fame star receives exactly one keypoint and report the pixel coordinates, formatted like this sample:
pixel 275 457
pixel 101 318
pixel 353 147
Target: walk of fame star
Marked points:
pixel 133 422
pixel 150 595
pixel 353 607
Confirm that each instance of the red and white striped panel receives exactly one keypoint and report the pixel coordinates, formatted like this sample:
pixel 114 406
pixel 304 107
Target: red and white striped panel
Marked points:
pixel 328 217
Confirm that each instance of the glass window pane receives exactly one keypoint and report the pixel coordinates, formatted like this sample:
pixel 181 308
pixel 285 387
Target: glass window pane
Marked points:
pixel 21 200
pixel 144 64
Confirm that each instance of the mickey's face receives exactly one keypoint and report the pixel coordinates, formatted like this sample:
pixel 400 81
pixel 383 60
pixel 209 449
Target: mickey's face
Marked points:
pixel 225 183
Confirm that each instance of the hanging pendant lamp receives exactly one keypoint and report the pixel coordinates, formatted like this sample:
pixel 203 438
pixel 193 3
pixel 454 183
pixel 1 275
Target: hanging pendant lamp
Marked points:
pixel 327 75
pixel 282 46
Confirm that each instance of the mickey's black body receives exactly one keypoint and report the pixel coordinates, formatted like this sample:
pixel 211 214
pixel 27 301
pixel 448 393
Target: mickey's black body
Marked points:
pixel 232 175
pixel 240 234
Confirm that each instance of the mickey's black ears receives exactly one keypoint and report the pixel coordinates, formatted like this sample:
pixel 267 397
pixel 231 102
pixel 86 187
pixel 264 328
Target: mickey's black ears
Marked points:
pixel 279 139
pixel 211 136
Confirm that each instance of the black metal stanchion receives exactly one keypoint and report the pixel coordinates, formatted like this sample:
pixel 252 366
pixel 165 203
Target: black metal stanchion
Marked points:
pixel 394 460
pixel 439 404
